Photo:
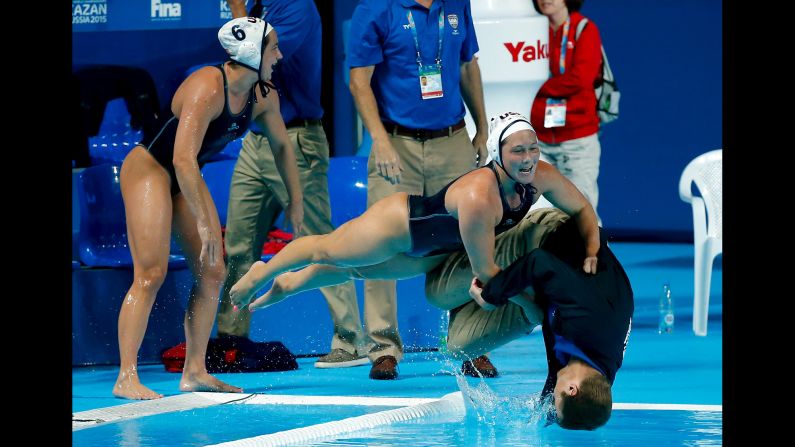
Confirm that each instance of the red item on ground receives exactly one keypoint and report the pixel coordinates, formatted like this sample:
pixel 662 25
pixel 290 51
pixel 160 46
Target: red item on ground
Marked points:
pixel 235 354
pixel 174 358
pixel 279 234
pixel 277 239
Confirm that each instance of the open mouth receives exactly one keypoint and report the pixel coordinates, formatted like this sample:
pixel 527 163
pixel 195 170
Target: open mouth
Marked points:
pixel 527 170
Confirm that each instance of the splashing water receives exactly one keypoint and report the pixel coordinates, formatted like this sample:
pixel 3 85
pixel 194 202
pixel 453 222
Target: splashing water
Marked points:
pixel 486 406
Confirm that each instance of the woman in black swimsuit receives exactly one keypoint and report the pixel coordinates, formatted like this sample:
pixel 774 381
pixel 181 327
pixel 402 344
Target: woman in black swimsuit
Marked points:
pixel 164 192
pixel 402 236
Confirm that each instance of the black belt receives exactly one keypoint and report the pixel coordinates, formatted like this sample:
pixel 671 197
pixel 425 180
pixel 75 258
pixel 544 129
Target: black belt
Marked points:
pixel 301 122
pixel 423 134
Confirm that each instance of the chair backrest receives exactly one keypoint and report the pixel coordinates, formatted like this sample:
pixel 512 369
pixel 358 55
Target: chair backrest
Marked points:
pixel 116 138
pixel 102 241
pixel 116 118
pixel 347 183
pixel 706 171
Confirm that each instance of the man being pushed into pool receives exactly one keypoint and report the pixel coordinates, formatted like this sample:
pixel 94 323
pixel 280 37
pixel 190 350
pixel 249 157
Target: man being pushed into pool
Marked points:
pixel 585 318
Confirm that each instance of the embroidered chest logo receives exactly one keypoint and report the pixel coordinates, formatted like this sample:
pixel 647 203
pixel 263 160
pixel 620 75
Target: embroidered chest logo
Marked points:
pixel 452 19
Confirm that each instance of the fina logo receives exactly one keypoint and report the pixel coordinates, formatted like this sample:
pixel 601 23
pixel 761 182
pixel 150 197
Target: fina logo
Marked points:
pixel 166 11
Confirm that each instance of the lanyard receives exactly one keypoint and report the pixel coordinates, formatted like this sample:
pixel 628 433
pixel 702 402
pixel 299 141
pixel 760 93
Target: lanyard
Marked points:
pixel 564 40
pixel 416 42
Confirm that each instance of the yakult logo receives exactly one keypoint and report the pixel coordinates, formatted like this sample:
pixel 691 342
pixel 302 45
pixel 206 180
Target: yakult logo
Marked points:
pixel 166 11
pixel 529 52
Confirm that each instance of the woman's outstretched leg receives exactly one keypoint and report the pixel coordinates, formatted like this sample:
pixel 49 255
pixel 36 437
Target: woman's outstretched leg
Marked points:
pixel 375 236
pixel 308 278
pixel 318 275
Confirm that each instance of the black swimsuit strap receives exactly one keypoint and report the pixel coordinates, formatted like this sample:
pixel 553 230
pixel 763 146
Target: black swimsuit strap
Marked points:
pixel 520 189
pixel 251 96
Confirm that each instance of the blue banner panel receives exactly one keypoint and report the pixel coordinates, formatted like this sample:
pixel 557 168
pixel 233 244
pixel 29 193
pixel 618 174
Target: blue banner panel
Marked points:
pixel 128 15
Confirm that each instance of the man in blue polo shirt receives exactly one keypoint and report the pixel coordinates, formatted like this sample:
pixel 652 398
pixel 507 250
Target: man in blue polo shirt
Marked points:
pixel 257 194
pixel 412 68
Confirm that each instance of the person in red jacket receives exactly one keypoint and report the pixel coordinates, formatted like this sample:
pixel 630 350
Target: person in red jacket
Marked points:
pixel 564 109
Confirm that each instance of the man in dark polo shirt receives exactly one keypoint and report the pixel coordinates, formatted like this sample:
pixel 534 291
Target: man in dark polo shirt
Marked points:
pixel 586 318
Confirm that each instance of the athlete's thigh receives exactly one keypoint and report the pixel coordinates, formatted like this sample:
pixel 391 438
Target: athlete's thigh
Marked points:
pixel 400 267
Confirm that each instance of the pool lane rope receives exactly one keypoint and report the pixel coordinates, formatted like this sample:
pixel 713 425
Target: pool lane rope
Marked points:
pixel 449 405
pixel 99 416
pixel 183 402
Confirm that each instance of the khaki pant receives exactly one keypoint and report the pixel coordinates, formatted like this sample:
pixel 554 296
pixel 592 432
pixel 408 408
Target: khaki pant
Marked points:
pixel 256 198
pixel 428 167
pixel 474 331
pixel 578 160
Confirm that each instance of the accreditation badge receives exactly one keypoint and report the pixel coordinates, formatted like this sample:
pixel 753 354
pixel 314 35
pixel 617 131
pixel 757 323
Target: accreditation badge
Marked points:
pixel 431 81
pixel 555 113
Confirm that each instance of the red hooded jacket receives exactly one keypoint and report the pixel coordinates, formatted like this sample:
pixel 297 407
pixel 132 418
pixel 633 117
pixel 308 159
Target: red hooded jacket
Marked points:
pixel 576 86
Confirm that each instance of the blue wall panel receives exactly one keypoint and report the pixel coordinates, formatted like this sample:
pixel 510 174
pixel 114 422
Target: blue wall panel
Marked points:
pixel 667 59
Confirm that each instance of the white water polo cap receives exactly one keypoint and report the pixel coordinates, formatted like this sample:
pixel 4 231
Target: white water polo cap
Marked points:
pixel 501 127
pixel 243 39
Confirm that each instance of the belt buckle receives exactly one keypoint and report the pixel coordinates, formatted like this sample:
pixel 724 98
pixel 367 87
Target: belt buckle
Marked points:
pixel 419 134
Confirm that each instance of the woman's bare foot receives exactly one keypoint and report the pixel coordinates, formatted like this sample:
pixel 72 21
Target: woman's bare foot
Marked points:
pixel 205 382
pixel 278 292
pixel 244 289
pixel 129 387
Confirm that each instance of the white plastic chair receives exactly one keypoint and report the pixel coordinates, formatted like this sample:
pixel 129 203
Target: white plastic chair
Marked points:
pixel 706 171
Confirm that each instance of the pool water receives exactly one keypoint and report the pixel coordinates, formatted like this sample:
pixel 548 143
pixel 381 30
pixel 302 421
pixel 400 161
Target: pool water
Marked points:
pixel 213 425
pixel 625 428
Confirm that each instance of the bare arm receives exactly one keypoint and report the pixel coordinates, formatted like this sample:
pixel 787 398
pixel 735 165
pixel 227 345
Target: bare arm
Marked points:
pixel 477 217
pixel 270 120
pixel 238 8
pixel 562 193
pixel 472 92
pixel 386 158
pixel 200 102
